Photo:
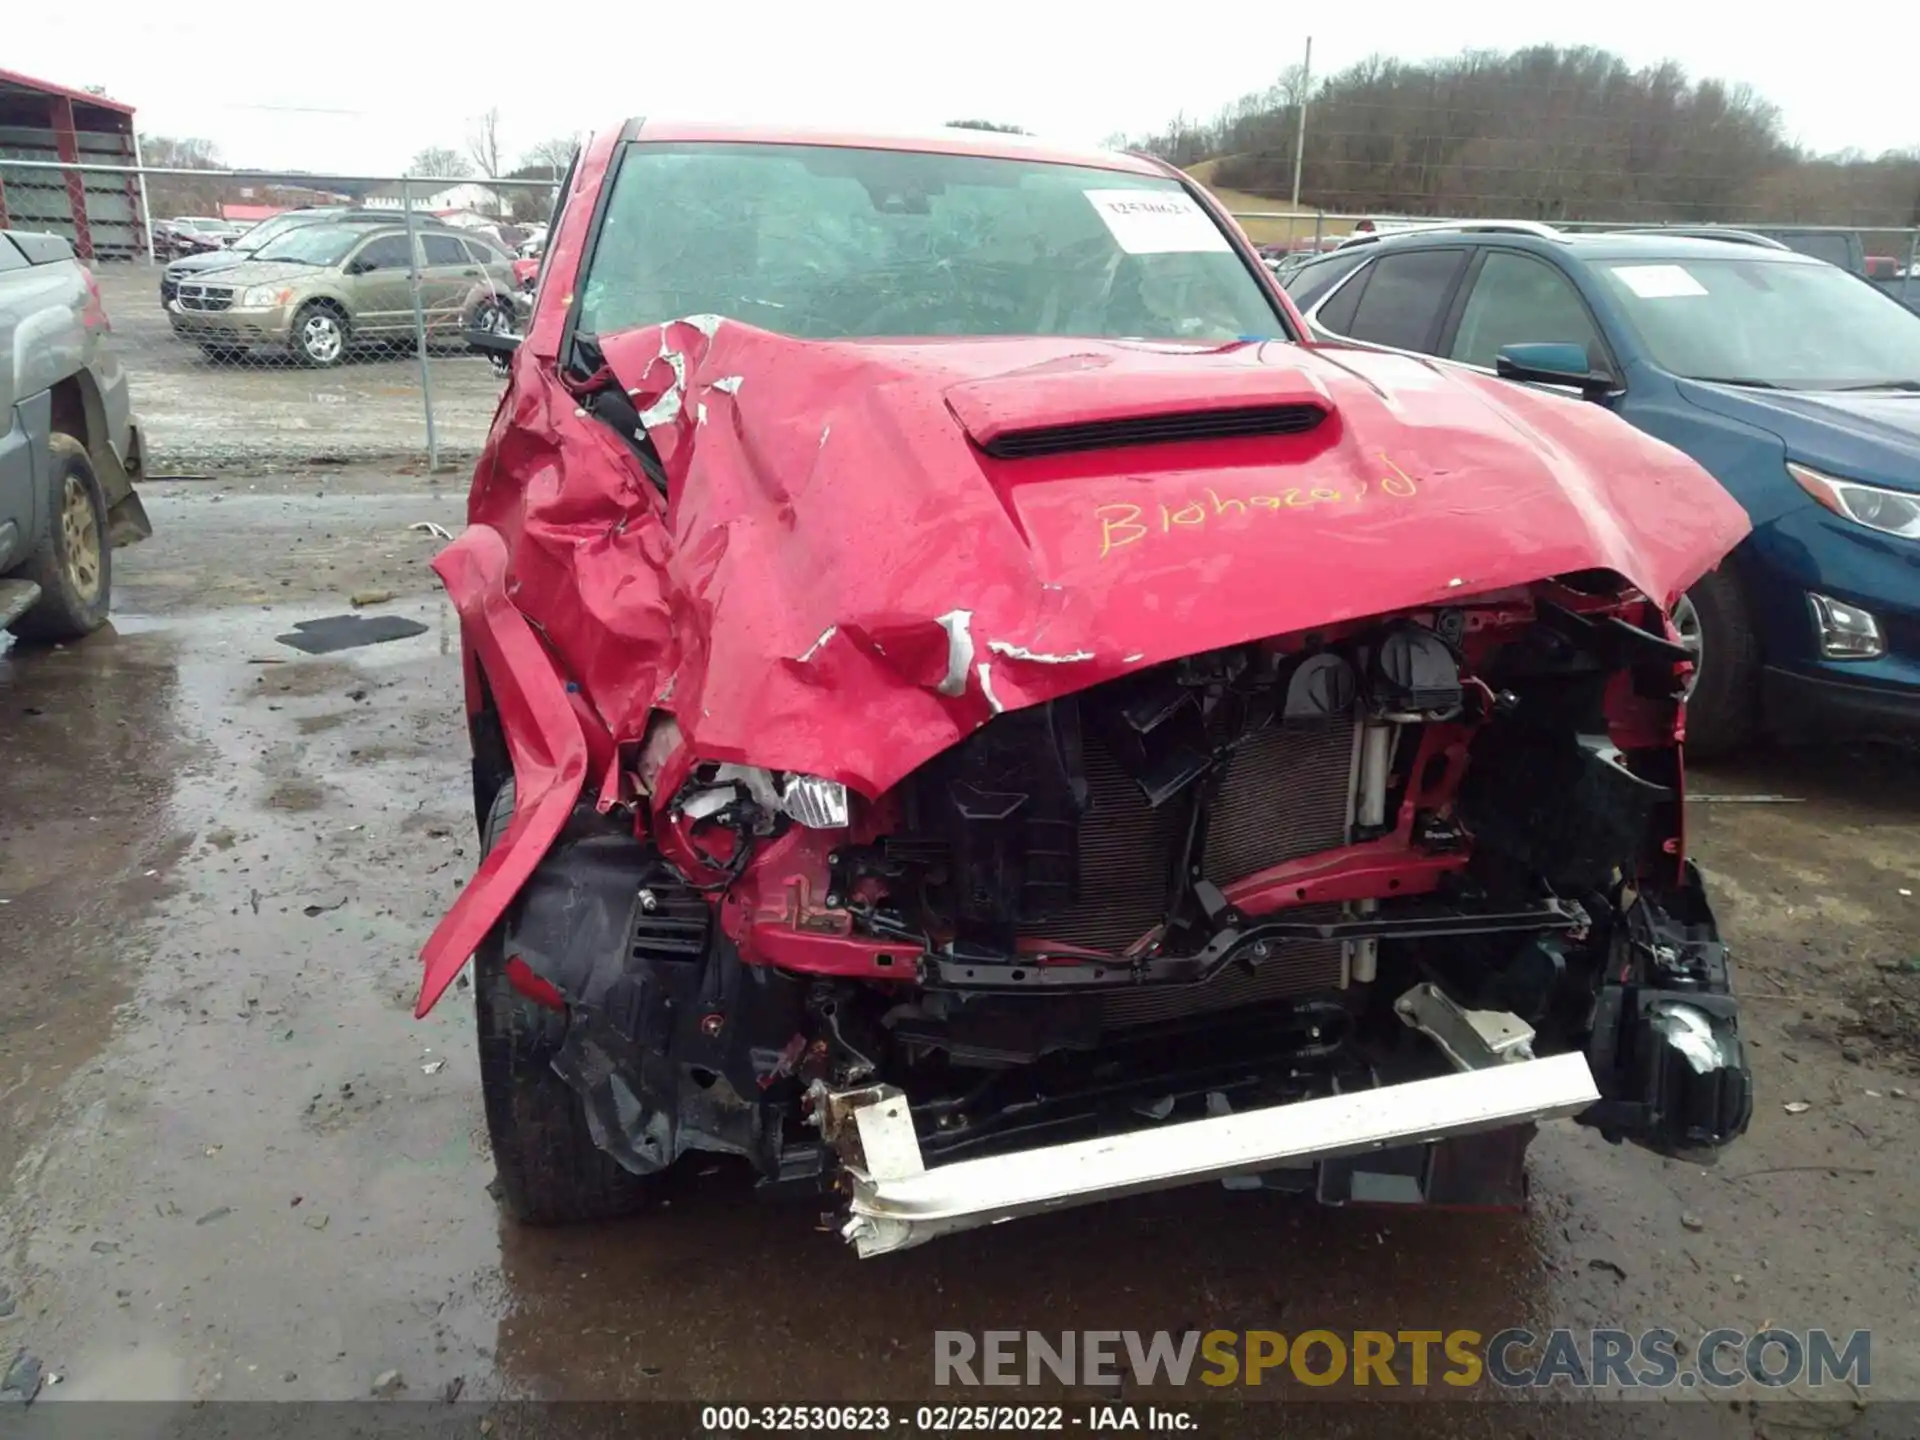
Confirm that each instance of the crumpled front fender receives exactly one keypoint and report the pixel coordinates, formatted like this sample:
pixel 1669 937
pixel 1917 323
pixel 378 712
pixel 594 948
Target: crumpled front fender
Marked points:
pixel 544 738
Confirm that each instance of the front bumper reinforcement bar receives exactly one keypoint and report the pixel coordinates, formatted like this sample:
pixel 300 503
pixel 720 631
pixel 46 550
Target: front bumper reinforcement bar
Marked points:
pixel 899 1203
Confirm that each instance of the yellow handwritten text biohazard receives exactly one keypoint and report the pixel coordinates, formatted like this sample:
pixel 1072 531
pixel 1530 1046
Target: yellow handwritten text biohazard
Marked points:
pixel 1123 524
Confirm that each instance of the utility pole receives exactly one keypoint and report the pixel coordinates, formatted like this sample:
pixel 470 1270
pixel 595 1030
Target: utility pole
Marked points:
pixel 1300 130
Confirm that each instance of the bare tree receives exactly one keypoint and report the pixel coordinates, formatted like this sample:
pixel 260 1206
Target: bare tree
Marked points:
pixel 994 125
pixel 549 158
pixel 183 194
pixel 440 162
pixel 1549 132
pixel 483 143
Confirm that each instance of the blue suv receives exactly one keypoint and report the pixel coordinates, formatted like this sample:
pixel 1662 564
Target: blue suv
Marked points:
pixel 1795 383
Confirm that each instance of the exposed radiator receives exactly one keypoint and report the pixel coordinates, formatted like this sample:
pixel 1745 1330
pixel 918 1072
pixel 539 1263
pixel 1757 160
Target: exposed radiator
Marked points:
pixel 1126 861
pixel 1286 794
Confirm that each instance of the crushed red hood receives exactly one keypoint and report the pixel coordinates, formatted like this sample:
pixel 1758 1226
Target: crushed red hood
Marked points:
pixel 871 548
pixel 865 550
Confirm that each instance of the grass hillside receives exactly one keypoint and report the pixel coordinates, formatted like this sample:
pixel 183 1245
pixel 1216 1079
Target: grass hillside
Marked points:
pixel 1265 232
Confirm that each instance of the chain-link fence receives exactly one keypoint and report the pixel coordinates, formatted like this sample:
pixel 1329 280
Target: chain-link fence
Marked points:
pixel 285 320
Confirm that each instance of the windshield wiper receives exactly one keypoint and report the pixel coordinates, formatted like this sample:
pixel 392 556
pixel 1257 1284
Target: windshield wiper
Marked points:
pixel 1742 381
pixel 1906 387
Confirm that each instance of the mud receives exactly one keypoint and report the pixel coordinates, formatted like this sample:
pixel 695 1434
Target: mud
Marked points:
pixel 233 1158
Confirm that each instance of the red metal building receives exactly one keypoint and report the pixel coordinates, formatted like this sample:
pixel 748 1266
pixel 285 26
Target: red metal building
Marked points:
pixel 100 213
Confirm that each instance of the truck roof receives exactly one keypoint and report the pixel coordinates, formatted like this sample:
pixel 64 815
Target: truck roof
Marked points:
pixel 944 140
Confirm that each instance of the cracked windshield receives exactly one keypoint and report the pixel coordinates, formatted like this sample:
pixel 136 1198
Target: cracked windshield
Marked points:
pixel 827 243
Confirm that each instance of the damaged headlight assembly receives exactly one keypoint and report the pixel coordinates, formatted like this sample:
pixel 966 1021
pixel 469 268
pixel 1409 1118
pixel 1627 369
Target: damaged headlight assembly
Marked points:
pixel 807 800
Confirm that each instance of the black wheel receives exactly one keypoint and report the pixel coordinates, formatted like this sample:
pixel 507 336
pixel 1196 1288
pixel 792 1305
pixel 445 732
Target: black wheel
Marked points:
pixel 73 563
pixel 320 334
pixel 550 1171
pixel 1723 707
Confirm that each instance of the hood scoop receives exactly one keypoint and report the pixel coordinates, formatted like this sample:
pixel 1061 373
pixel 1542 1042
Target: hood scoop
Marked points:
pixel 1134 397
pixel 1234 424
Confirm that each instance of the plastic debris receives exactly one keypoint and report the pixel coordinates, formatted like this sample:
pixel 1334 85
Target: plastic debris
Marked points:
pixel 345 632
pixel 439 532
pixel 1796 1107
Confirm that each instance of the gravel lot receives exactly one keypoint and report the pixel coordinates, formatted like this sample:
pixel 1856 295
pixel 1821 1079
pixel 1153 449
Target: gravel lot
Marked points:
pixel 264 412
pixel 236 1170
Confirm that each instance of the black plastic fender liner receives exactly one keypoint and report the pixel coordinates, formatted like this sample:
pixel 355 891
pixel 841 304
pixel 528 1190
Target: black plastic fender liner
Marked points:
pixel 572 919
pixel 673 1047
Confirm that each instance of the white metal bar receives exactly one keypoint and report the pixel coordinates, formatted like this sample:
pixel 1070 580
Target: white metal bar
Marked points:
pixel 897 1213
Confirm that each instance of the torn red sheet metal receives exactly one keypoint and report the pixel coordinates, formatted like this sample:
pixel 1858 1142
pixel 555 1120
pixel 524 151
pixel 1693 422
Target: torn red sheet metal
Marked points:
pixel 543 735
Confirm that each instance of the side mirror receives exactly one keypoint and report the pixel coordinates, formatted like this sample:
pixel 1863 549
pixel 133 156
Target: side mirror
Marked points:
pixel 498 348
pixel 1554 362
pixel 359 267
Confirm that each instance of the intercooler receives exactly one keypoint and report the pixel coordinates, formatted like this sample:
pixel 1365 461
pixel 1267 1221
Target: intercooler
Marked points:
pixel 1286 793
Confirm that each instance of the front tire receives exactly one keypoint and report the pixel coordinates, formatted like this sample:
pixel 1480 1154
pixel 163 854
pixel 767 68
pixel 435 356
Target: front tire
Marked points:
pixel 320 335
pixel 550 1171
pixel 493 317
pixel 73 563
pixel 1723 709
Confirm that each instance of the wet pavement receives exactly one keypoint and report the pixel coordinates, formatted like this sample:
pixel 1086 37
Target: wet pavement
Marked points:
pixel 238 1169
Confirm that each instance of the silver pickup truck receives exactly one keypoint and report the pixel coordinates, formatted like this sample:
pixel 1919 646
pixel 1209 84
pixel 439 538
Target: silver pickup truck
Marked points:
pixel 69 444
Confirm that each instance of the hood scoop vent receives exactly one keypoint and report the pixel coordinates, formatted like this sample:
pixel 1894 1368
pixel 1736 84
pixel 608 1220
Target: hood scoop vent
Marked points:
pixel 1234 424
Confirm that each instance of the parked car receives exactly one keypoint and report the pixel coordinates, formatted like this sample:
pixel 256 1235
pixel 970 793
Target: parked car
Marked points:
pixel 964 708
pixel 1848 250
pixel 246 245
pixel 1837 247
pixel 1793 382
pixel 69 444
pixel 191 235
pixel 318 290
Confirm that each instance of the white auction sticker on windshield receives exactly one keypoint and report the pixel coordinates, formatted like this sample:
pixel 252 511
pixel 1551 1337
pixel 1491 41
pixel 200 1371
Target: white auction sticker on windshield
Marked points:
pixel 1659 282
pixel 1156 222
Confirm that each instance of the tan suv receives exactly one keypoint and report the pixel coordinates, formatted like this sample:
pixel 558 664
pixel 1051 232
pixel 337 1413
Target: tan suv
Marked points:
pixel 322 288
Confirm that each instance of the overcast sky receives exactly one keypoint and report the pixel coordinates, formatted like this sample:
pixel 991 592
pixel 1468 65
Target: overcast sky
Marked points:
pixel 359 88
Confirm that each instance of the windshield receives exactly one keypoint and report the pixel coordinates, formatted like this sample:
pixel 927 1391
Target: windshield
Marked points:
pixel 1779 323
pixel 830 242
pixel 268 230
pixel 313 244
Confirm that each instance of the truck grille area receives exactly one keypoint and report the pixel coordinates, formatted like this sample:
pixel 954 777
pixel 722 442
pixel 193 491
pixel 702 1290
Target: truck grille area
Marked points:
pixel 206 297
pixel 1126 863
pixel 1085 823
pixel 1285 794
